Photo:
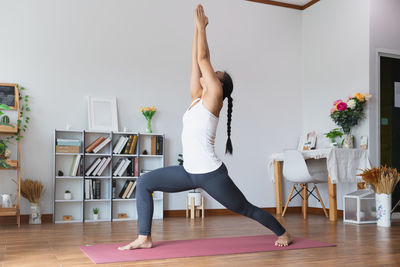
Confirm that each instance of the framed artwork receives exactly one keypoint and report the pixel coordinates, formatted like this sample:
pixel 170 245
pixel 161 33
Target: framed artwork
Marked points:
pixel 364 142
pixel 9 95
pixel 103 114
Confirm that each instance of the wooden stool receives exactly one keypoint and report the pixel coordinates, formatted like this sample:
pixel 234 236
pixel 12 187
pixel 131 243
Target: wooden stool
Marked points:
pixel 194 210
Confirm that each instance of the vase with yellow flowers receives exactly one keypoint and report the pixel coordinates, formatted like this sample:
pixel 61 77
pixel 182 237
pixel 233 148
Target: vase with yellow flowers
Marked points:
pixel 148 113
pixel 347 114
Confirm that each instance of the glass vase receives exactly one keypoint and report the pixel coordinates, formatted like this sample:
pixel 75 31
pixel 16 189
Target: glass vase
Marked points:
pixel 35 217
pixel 148 128
pixel 348 141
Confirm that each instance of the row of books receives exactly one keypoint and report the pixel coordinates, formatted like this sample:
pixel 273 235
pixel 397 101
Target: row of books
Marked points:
pixel 92 189
pixel 157 145
pixel 126 145
pixel 68 145
pixel 131 167
pixel 98 166
pixel 97 144
pixel 126 191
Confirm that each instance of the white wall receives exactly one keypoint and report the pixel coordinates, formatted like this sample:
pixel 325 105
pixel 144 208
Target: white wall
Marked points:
pixel 139 51
pixel 384 37
pixel 335 54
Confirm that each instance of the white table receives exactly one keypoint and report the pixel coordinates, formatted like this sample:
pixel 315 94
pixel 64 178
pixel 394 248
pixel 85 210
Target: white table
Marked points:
pixel 342 165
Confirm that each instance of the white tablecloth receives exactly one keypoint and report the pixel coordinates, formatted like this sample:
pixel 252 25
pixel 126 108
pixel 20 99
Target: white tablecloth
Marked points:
pixel 342 164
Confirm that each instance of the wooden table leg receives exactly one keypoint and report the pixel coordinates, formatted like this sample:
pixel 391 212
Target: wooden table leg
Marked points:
pixel 278 186
pixel 304 194
pixel 332 201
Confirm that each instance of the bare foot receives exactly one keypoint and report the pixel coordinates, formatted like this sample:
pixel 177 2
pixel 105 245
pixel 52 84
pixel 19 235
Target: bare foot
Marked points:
pixel 140 242
pixel 284 240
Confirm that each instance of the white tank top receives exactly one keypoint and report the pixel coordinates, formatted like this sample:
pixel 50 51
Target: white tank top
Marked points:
pixel 198 136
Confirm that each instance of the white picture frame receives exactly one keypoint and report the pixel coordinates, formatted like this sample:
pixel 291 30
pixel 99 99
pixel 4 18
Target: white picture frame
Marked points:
pixel 102 114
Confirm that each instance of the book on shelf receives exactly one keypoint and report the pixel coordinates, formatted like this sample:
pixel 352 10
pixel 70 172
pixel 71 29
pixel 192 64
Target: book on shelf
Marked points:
pixel 67 149
pixel 96 170
pixel 121 193
pixel 129 170
pixel 93 145
pixel 75 165
pixel 114 185
pixel 132 149
pixel 131 190
pixel 120 163
pixel 124 167
pixel 156 145
pixel 153 145
pixel 102 145
pixel 128 188
pixel 116 165
pixel 120 145
pixel 128 145
pixel 100 172
pixel 93 166
pixel 136 166
pixel 68 142
pixel 92 189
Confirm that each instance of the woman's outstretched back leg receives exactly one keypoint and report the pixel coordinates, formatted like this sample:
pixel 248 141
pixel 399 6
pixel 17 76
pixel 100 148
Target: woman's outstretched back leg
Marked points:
pixel 168 179
pixel 221 187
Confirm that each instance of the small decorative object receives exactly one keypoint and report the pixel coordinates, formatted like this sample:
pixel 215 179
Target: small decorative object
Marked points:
pixel 194 202
pixel 68 126
pixel 180 159
pixel 7 200
pixel 332 135
pixel 148 113
pixel 102 114
pixel 95 214
pixel 60 173
pixel 32 190
pixel 359 207
pixel 383 181
pixel 145 152
pixel 348 114
pixel 122 216
pixel 4 153
pixel 364 142
pixel 67 195
pixel 67 218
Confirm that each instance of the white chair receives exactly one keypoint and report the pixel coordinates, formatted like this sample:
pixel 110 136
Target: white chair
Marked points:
pixel 296 171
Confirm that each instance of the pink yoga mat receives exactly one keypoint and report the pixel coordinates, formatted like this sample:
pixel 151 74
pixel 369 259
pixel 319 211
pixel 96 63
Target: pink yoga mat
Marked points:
pixel 108 253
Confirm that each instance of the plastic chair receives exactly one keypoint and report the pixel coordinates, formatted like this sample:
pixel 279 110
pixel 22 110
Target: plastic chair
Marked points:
pixel 296 171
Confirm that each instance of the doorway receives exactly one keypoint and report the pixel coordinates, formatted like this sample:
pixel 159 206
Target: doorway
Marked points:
pixel 390 117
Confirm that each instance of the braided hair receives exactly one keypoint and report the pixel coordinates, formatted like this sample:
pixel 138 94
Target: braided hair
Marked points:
pixel 227 88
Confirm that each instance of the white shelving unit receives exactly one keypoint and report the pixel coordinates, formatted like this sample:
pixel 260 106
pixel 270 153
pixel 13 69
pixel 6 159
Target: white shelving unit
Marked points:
pixel 80 208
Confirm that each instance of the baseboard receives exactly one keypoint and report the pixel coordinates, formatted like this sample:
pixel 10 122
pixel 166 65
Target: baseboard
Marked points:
pixel 48 218
pixel 211 212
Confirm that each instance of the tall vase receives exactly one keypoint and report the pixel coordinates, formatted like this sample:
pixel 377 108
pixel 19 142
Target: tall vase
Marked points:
pixel 348 141
pixel 148 128
pixel 383 209
pixel 35 217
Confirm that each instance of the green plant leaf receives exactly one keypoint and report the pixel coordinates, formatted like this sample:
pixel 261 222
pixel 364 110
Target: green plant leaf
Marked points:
pixel 28 109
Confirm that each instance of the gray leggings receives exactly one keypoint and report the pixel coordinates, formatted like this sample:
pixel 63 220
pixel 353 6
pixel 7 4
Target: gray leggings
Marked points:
pixel 217 184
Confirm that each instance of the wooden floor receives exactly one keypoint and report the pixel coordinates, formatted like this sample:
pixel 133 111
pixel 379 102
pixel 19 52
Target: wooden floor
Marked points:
pixel 57 245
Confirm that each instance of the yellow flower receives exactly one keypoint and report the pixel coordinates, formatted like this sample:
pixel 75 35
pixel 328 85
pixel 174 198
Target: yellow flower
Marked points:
pixel 360 97
pixel 141 109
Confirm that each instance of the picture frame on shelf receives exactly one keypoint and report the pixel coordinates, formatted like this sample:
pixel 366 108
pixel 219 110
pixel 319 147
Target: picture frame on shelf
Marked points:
pixel 9 95
pixel 364 142
pixel 102 114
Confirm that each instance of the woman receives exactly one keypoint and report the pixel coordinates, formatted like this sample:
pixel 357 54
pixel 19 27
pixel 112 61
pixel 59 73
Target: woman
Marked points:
pixel 201 167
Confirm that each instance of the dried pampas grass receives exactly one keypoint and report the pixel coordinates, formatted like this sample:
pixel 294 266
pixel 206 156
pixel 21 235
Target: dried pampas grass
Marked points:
pixel 383 179
pixel 31 190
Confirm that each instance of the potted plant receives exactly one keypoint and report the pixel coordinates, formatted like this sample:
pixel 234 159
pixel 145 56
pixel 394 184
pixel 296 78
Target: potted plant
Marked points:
pixel 95 214
pixel 332 135
pixel 148 113
pixel 67 195
pixel 347 114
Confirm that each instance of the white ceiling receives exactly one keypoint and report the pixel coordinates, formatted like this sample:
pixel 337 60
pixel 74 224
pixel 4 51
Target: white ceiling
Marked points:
pixel 295 2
